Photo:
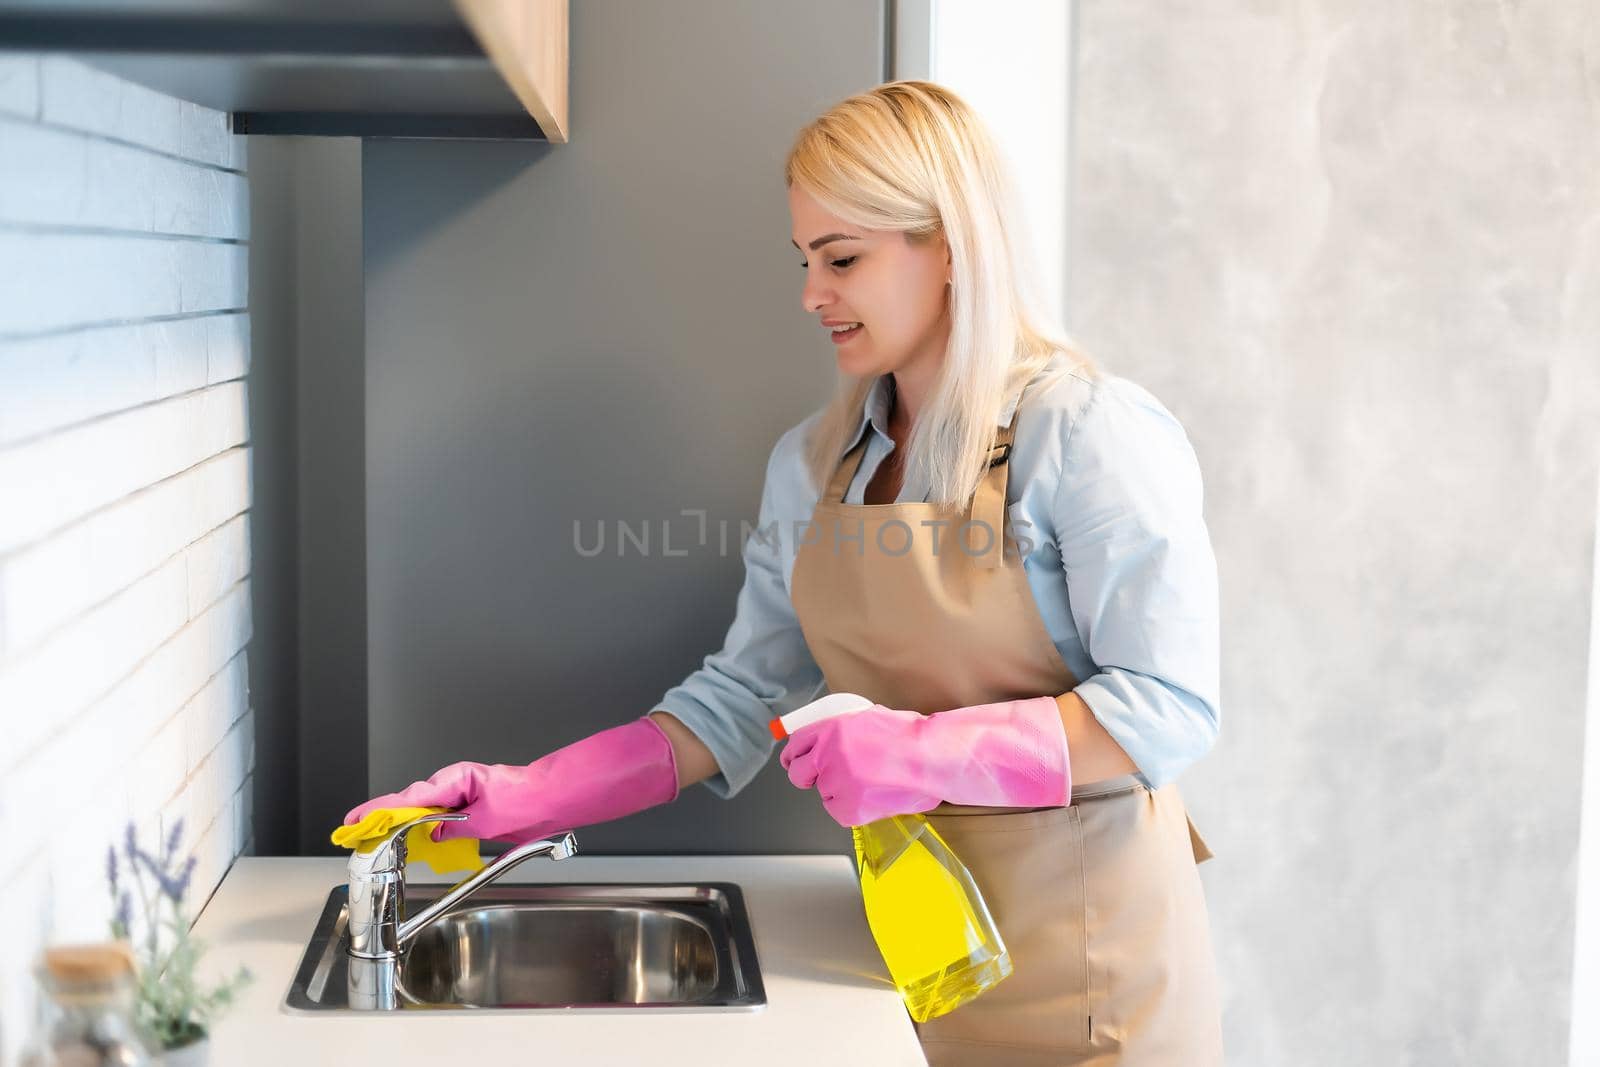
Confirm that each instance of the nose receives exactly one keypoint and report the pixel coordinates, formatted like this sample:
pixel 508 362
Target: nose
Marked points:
pixel 815 294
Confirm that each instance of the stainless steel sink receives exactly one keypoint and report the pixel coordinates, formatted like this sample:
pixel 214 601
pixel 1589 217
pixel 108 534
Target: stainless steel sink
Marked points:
pixel 619 947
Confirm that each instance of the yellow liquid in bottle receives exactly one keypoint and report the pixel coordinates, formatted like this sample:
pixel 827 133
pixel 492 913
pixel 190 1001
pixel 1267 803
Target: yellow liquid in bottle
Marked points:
pixel 927 916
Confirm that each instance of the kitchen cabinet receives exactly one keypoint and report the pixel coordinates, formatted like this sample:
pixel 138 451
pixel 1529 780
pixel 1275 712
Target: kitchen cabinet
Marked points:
pixel 452 69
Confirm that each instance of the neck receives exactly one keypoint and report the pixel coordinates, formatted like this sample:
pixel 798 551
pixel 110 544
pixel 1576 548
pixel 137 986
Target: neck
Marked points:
pixel 898 420
pixel 913 379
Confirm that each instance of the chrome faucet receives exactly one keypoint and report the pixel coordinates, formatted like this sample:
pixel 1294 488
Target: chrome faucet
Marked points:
pixel 378 927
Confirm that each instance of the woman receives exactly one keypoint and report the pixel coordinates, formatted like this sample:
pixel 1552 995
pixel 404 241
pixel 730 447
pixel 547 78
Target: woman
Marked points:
pixel 1005 551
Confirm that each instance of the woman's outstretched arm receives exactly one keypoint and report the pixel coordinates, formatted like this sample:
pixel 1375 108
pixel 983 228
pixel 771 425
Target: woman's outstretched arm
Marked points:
pixel 694 759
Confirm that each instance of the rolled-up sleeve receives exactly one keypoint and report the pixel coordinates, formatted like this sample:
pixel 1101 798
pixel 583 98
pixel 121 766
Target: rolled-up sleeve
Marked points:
pixel 1142 580
pixel 764 667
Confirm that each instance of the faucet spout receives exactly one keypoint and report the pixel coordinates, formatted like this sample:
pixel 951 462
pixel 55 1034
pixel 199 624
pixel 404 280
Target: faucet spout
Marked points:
pixel 557 848
pixel 378 927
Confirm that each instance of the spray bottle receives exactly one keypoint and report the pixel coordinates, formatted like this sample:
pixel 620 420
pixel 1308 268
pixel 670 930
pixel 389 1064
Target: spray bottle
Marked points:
pixel 937 938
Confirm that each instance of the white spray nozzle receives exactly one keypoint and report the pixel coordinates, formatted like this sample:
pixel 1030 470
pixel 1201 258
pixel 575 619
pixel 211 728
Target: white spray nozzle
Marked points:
pixel 826 708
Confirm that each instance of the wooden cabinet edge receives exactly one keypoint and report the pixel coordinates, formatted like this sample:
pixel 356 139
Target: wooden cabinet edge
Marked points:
pixel 527 40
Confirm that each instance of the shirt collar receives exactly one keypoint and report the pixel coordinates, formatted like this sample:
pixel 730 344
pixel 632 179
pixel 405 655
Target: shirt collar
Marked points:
pixel 875 410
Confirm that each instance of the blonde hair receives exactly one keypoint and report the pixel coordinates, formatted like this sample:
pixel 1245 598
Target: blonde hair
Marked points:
pixel 912 156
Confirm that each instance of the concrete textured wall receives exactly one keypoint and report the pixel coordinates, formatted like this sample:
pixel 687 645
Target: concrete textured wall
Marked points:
pixel 1356 249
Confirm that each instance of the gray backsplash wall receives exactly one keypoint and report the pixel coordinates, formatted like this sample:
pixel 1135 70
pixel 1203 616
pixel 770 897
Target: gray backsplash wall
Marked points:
pixel 308 650
pixel 1355 249
pixel 607 330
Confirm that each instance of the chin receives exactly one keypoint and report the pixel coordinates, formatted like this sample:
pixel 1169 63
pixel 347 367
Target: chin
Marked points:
pixel 856 363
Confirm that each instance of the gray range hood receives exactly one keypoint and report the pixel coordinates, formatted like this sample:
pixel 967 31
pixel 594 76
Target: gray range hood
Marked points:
pixel 385 68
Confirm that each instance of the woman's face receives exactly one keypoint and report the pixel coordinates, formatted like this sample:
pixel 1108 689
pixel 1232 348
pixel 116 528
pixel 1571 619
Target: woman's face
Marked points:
pixel 893 288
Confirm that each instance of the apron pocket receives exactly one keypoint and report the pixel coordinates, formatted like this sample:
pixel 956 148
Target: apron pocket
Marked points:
pixel 1029 866
pixel 1152 977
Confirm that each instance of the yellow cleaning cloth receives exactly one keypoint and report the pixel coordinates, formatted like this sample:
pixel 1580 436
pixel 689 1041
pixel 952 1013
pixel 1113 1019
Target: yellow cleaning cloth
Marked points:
pixel 457 854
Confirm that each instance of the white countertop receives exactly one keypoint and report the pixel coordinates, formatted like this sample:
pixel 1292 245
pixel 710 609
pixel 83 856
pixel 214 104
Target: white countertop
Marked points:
pixel 827 990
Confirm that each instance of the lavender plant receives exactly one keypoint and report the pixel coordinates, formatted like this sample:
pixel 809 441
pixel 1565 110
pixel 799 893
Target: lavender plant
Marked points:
pixel 169 1003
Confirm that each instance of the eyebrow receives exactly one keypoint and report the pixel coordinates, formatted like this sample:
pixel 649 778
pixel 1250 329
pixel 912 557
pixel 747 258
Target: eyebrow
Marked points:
pixel 825 238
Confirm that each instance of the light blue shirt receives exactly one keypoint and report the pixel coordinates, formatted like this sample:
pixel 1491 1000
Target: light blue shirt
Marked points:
pixel 1104 496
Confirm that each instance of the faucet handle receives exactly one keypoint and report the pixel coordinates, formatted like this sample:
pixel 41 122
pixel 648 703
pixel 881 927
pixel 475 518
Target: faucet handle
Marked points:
pixel 367 863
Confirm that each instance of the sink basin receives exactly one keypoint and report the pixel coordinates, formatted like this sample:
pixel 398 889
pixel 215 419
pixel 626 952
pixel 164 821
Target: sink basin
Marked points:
pixel 558 947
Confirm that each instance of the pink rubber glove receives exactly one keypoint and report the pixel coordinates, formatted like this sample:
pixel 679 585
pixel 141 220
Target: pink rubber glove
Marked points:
pixel 607 775
pixel 878 762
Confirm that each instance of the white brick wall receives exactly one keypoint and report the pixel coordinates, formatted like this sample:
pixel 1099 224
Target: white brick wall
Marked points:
pixel 124 482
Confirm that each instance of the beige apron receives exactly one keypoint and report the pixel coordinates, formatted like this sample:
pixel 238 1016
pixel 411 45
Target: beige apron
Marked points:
pixel 1099 901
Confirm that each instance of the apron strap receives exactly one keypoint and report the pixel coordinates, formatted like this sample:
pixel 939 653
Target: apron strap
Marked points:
pixel 845 472
pixel 988 501
pixel 989 504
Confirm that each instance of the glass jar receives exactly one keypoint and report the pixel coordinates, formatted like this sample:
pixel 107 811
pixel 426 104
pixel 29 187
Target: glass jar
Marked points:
pixel 87 1020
